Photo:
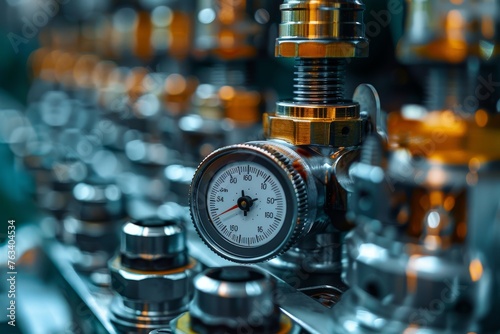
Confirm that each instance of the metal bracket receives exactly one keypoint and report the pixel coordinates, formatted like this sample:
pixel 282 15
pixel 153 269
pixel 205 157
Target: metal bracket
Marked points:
pixel 369 102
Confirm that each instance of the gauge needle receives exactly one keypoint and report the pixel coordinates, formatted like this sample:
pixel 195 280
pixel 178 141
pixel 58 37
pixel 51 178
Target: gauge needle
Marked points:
pixel 244 203
pixel 230 209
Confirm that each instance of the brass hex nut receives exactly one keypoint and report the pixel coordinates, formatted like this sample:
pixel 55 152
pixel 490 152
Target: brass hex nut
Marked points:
pixel 152 286
pixel 336 125
pixel 321 48
pixel 326 132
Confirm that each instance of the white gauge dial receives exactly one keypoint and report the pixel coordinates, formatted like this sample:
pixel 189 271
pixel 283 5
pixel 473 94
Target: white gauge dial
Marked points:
pixel 246 203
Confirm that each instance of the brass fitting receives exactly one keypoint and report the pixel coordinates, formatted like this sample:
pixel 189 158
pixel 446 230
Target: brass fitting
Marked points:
pixel 336 126
pixel 322 29
pixel 320 49
pixel 320 35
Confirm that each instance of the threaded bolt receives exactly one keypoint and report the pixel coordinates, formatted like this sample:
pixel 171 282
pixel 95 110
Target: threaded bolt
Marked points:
pixel 319 80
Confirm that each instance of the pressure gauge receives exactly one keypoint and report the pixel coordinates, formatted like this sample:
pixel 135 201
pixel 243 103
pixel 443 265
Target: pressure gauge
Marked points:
pixel 251 202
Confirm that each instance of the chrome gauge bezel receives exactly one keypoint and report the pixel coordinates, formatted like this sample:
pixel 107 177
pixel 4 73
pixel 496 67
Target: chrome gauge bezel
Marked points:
pixel 199 204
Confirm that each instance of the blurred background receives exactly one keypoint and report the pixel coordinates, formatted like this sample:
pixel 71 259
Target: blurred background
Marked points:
pixel 108 106
pixel 156 37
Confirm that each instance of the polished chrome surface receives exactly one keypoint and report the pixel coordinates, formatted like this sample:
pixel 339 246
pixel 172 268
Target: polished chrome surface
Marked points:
pixel 154 240
pixel 151 276
pixel 322 29
pixel 222 295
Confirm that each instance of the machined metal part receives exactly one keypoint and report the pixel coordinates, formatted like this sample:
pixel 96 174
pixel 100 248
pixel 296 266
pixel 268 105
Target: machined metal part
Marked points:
pixel 319 113
pixel 369 102
pixel 319 253
pixel 307 313
pixel 151 276
pixel 337 125
pixel 232 299
pixel 92 225
pixel 153 244
pixel 322 29
pixel 314 261
pixel 309 140
pixel 416 261
pixel 320 35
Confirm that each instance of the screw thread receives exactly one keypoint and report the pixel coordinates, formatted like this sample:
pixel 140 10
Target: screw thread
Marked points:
pixel 319 81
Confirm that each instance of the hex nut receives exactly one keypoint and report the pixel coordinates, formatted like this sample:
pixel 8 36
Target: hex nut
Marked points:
pixel 298 124
pixel 152 286
pixel 329 48
pixel 314 132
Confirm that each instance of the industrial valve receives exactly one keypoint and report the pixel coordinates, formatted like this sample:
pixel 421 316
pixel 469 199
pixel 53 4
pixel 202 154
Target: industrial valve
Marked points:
pixel 251 202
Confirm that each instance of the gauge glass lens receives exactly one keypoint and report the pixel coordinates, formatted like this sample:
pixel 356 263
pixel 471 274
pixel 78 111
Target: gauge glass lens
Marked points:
pixel 247 204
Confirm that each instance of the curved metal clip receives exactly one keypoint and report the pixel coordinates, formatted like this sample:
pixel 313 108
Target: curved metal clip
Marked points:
pixel 369 102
